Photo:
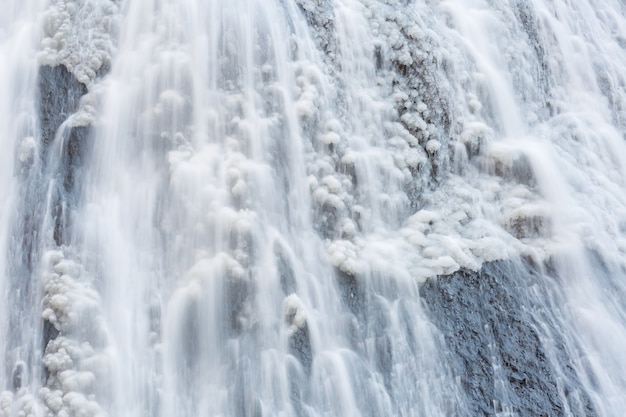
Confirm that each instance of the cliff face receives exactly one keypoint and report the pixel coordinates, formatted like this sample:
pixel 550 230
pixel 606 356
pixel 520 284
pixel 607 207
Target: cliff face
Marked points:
pixel 315 208
pixel 506 340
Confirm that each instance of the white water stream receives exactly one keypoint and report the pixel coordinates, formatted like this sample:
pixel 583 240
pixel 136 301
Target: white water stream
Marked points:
pixel 237 217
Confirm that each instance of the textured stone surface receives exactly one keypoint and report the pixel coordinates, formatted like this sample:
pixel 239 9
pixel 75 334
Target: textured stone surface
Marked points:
pixel 496 345
pixel 59 96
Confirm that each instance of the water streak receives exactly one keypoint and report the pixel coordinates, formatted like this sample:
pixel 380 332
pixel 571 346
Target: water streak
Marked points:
pixel 241 208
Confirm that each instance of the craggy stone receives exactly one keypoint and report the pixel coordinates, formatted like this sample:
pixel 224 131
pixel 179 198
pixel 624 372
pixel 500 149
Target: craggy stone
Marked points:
pixel 494 344
pixel 59 96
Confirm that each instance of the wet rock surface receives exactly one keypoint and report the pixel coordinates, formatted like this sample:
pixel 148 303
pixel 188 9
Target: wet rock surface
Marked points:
pixel 498 348
pixel 59 96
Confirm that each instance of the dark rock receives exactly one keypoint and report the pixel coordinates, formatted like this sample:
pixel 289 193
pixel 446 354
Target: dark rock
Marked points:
pixel 321 18
pixel 239 293
pixel 518 169
pixel 59 96
pixel 328 216
pixel 18 376
pixel 352 291
pixel 49 333
pixel 529 226
pixel 300 347
pixel 529 20
pixel 518 378
pixel 494 342
pixel 383 359
pixel 285 270
pixel 76 147
pixel 378 57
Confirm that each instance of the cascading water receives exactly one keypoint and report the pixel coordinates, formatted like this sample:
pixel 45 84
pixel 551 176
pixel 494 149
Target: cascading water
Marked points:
pixel 313 208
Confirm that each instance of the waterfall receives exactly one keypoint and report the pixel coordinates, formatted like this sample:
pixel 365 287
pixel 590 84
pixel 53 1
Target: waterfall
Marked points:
pixel 313 208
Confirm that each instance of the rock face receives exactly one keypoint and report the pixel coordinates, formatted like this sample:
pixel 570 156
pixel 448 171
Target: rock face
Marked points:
pixel 506 360
pixel 361 162
pixel 59 95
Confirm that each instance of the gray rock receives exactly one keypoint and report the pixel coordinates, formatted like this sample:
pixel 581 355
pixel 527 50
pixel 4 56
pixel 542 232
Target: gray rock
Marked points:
pixel 494 344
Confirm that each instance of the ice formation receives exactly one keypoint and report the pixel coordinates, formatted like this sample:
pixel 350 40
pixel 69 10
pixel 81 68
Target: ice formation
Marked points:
pixel 81 36
pixel 76 359
pixel 272 182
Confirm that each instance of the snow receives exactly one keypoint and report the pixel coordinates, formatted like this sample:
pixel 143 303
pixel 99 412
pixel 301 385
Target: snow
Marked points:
pixel 389 143
pixel 27 151
pixel 80 35
pixel 69 302
pixel 295 312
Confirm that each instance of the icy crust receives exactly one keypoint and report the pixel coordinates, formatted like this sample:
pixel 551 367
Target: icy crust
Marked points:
pixel 413 152
pixel 295 313
pixel 77 358
pixel 21 404
pixel 467 182
pixel 462 227
pixel 370 160
pixel 373 153
pixel 408 42
pixel 87 113
pixel 80 35
pixel 342 155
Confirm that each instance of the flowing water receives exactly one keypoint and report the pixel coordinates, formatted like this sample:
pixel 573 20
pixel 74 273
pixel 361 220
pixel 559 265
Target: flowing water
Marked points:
pixel 241 208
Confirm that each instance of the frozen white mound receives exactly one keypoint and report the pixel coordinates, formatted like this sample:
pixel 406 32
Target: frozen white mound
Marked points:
pixel 80 35
pixel 87 112
pixel 391 188
pixel 21 404
pixel 77 358
pixel 295 313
